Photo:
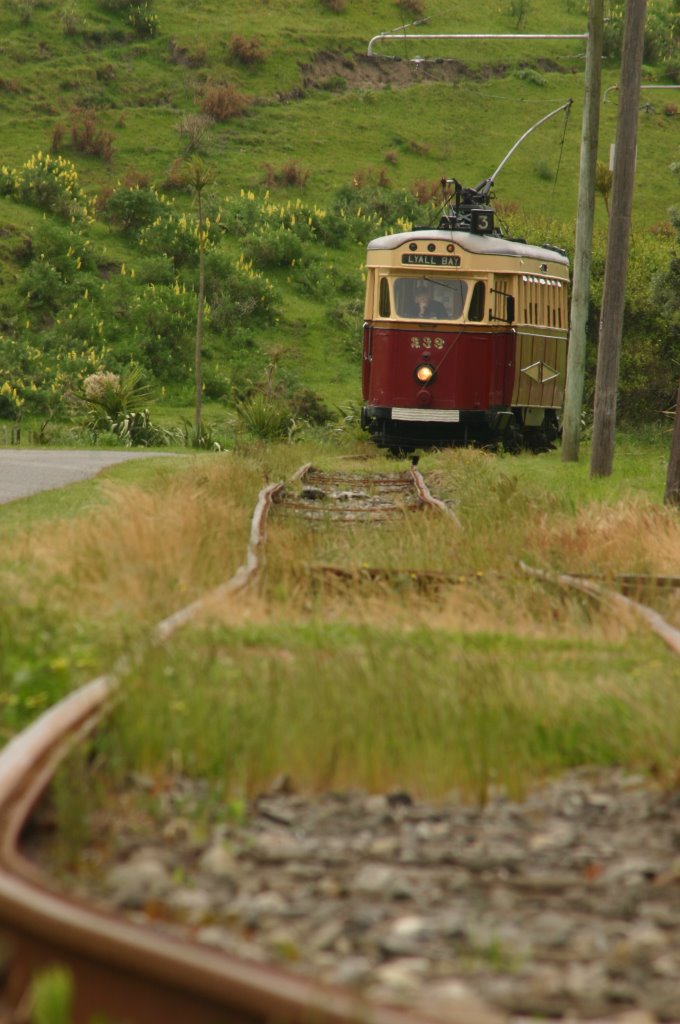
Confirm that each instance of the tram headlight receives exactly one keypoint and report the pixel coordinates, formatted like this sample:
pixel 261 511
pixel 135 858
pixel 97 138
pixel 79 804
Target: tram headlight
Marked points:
pixel 425 373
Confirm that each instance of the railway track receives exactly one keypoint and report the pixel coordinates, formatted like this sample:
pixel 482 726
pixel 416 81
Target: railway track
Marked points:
pixel 350 498
pixel 131 972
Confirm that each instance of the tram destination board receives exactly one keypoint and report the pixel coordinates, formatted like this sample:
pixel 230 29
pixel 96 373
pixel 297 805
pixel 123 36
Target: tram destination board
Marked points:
pixel 421 259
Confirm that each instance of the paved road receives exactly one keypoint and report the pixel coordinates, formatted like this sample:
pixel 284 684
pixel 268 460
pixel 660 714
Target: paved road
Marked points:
pixel 28 471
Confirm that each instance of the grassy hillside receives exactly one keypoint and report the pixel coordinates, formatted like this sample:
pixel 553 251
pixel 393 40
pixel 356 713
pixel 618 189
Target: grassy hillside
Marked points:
pixel 313 95
pixel 282 98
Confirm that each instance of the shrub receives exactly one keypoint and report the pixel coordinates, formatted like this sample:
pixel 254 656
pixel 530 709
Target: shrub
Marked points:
pixel 43 375
pixel 23 9
pixel 111 395
pixel 156 270
pixel 308 406
pixel 116 6
pixel 222 102
pixel 60 268
pixel 237 294
pixel 544 171
pixel 51 183
pixel 662 32
pixel 532 76
pixel 57 137
pixel 202 437
pixel 142 20
pixel 116 405
pixel 425 191
pixel 88 137
pixel 194 129
pixel 135 429
pixel 266 418
pixel 163 321
pixel 10 402
pixel 247 51
pixel 71 21
pixel 336 83
pixel 176 236
pixel 183 55
pixel 411 8
pixel 175 177
pixel 131 209
pixel 273 248
pixel 291 174
pixel 372 208
pixel 9 182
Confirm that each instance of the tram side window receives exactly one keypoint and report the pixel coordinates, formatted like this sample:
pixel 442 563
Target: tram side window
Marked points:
pixel 384 297
pixel 429 299
pixel 477 302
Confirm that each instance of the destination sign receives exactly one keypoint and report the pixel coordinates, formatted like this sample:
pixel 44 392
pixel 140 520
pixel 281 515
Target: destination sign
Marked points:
pixel 418 259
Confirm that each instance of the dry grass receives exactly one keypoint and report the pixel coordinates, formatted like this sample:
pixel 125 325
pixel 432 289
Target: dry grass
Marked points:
pixel 141 554
pixel 494 680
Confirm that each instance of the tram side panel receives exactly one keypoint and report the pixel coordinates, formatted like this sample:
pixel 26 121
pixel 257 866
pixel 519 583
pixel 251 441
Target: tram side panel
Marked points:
pixel 540 370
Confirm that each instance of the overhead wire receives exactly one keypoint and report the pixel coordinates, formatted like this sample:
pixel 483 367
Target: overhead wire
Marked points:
pixel 559 158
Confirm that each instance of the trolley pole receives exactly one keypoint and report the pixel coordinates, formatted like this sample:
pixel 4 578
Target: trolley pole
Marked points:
pixel 576 358
pixel 609 349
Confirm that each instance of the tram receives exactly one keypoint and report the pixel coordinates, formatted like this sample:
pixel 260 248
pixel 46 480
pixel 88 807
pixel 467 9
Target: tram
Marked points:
pixel 465 333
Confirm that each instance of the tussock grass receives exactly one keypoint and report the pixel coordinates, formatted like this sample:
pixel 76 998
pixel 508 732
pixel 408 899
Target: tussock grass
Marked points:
pixel 142 553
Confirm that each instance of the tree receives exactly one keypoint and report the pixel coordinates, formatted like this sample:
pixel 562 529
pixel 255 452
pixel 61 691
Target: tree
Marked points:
pixel 198 177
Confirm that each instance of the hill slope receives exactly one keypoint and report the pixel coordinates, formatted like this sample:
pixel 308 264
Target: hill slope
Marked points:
pixel 279 97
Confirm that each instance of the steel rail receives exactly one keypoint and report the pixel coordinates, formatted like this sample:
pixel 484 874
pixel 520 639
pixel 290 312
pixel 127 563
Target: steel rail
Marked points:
pixel 656 622
pixel 127 970
pixel 426 497
pixel 243 575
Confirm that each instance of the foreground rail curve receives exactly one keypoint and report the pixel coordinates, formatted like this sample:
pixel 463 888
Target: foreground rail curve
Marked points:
pixel 129 971
pixel 133 972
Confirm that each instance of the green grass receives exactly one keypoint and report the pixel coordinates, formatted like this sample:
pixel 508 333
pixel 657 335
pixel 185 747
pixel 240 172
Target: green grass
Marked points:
pixel 137 82
pixel 497 682
pixel 81 498
pixel 430 711
pixel 408 121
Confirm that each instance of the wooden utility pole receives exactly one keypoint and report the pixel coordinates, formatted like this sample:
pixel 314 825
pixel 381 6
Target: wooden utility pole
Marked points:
pixel 576 358
pixel 611 327
pixel 198 176
pixel 672 495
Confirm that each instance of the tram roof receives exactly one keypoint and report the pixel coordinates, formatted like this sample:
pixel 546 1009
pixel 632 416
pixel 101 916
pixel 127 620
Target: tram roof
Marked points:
pixel 485 245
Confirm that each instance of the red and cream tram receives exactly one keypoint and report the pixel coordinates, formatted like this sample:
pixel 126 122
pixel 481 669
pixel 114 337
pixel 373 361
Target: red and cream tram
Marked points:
pixel 465 335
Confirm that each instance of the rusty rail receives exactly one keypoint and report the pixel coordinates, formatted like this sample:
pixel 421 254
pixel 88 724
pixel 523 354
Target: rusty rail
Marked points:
pixel 656 622
pixel 324 502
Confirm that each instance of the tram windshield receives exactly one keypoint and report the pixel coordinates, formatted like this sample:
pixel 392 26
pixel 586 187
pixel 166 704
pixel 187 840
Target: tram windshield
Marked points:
pixel 429 299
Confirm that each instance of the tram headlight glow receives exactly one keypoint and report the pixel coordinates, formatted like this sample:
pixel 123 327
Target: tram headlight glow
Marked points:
pixel 425 373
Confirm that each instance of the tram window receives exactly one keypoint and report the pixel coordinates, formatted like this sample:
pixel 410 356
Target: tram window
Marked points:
pixel 430 299
pixel 476 310
pixel 384 297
